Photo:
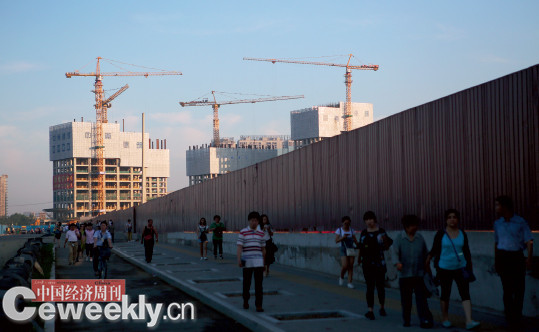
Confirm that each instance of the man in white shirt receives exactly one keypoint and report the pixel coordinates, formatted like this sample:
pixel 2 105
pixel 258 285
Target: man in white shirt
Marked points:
pixel 72 237
pixel 250 253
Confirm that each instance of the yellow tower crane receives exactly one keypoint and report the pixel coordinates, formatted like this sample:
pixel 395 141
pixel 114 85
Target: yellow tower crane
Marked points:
pixel 216 104
pixel 101 107
pixel 348 80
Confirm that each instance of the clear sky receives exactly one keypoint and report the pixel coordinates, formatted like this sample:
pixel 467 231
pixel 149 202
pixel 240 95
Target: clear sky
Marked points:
pixel 425 50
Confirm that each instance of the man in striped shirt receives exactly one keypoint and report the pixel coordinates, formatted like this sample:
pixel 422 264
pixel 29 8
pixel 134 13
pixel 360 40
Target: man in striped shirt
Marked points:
pixel 251 252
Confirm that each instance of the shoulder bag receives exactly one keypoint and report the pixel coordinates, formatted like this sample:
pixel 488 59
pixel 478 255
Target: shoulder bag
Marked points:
pixel 467 274
pixel 349 251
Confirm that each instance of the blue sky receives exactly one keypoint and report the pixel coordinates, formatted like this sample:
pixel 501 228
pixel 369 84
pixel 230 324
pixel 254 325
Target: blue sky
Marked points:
pixel 425 50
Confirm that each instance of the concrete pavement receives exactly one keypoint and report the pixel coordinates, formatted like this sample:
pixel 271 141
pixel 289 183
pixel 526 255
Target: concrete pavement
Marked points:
pixel 294 299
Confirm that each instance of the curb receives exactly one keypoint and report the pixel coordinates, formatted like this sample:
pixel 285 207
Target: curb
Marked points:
pixel 251 321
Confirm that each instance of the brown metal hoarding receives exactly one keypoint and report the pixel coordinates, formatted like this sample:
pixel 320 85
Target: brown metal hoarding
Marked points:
pixel 460 151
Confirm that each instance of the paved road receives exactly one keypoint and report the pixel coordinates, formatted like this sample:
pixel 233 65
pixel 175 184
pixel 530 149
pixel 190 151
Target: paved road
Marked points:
pixel 140 282
pixel 296 299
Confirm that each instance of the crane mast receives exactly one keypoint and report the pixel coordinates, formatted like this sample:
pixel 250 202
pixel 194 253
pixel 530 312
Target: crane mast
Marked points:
pixel 347 114
pixel 215 106
pixel 101 108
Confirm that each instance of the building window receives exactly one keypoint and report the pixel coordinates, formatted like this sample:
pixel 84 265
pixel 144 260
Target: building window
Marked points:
pixel 126 145
pixel 87 134
pixel 108 135
pixel 139 145
pixel 53 149
pixel 366 113
pixel 68 146
pixel 53 138
pixel 68 135
pixel 63 147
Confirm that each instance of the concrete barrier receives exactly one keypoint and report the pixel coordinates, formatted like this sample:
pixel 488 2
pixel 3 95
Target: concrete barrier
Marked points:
pixel 318 252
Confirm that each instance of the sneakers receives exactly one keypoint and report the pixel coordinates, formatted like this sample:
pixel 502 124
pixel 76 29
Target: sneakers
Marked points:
pixel 350 285
pixel 221 256
pixel 447 324
pixel 205 258
pixel 91 259
pixel 472 325
pixel 383 312
pixel 341 281
pixel 201 258
pixel 370 315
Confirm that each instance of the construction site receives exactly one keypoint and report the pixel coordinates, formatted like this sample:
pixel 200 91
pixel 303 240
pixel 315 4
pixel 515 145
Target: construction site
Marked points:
pixel 98 168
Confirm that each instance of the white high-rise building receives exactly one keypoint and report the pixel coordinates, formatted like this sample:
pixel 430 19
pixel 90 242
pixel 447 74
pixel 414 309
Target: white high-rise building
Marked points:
pixel 313 124
pixel 75 168
pixel 3 195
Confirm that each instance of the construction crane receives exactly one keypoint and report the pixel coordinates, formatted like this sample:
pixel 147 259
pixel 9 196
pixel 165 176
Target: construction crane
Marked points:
pixel 101 107
pixel 215 105
pixel 348 80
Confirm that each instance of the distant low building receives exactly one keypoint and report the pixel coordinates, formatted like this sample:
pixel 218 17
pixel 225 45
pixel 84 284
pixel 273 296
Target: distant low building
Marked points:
pixel 206 162
pixel 313 124
pixel 75 171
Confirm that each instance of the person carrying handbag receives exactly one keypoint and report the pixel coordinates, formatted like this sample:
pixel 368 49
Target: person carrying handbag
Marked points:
pixel 453 261
pixel 347 239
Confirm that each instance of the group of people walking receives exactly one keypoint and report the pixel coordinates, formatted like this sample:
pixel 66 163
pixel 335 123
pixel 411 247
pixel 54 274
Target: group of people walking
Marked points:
pixel 83 239
pixel 452 260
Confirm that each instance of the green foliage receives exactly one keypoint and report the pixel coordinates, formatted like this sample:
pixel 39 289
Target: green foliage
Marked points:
pixel 17 219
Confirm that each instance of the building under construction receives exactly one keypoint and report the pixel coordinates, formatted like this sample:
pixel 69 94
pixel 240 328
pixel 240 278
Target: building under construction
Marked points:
pixel 3 195
pixel 314 124
pixel 207 162
pixel 75 175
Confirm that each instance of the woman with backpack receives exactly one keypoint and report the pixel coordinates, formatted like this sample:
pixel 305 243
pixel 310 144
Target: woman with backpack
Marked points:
pixel 202 236
pixel 373 241
pixel 453 261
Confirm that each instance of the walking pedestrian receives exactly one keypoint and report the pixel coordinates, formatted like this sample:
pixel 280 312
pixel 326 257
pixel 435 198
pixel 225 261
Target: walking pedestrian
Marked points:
pixel 57 234
pixel 345 236
pixel 250 256
pixel 102 241
pixel 373 241
pixel 453 262
pixel 129 230
pixel 202 236
pixel 89 245
pixel 72 236
pixel 148 240
pixel 111 230
pixel 410 257
pixel 270 246
pixel 81 242
pixel 217 237
pixel 512 236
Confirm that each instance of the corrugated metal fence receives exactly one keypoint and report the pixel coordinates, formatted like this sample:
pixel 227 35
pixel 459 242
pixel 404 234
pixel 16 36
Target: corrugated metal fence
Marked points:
pixel 458 151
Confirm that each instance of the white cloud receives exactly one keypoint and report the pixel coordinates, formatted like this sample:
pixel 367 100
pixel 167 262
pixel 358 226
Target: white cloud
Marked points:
pixel 19 67
pixel 183 117
pixel 490 58
pixel 449 33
